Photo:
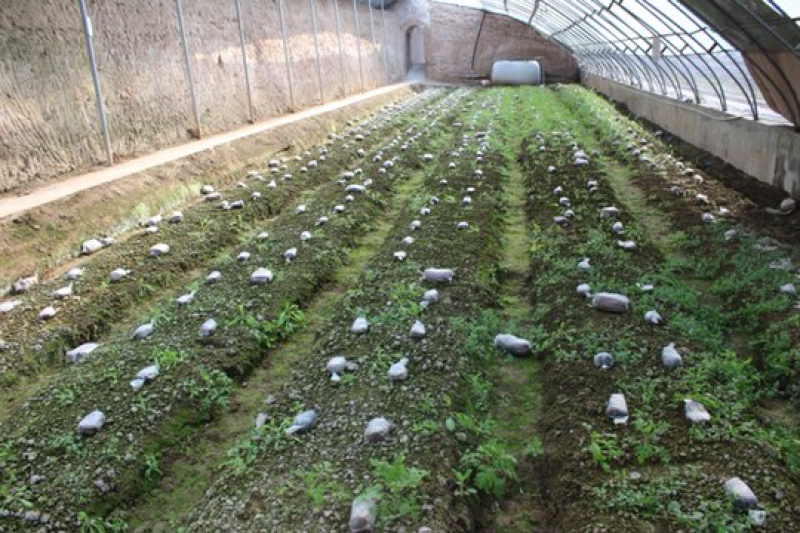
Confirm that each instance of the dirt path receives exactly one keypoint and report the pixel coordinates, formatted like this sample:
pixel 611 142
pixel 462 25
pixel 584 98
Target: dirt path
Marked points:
pixel 517 380
pixel 14 205
pixel 186 475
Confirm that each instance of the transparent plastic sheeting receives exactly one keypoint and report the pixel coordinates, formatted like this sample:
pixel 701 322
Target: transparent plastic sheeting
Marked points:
pixel 656 45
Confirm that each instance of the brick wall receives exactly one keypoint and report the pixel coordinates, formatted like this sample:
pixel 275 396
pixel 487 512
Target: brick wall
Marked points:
pixel 450 40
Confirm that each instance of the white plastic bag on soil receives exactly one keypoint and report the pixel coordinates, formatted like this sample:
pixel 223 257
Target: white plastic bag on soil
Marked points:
pixel 91 423
pixel 208 328
pixel 603 360
pixel 617 409
pixel 610 302
pixel 377 430
pixel 438 275
pixel 670 356
pixel 418 330
pixel 302 422
pixel 76 355
pixel 363 514
pixel 143 331
pixel 399 371
pixel 360 325
pixel 741 494
pixel 512 344
pixel 695 412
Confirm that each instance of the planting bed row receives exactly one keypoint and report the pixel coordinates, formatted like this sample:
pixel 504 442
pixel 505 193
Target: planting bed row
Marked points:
pixel 662 318
pixel 154 388
pixel 654 465
pixel 91 304
pixel 339 472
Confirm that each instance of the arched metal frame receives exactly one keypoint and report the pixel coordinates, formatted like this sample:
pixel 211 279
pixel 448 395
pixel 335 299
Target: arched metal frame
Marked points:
pixel 615 39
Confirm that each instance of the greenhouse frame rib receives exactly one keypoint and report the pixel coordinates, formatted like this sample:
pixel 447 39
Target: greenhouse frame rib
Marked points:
pixel 677 48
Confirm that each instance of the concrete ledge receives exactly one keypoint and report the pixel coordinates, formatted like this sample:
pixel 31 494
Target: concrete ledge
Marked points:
pixel 769 153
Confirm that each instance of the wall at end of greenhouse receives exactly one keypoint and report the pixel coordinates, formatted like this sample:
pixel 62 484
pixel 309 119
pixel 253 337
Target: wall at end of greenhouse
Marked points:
pixel 49 125
pixel 769 153
pixel 450 41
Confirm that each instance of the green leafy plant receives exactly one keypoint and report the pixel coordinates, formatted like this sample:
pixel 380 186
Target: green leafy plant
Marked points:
pixel 317 483
pixel 603 448
pixel 397 488
pixel 151 466
pixel 493 466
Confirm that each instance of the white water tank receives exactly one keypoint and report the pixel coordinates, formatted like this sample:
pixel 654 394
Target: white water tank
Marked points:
pixel 517 73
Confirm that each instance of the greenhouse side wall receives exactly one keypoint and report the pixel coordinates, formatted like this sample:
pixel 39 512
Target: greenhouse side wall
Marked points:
pixel 770 153
pixel 450 41
pixel 48 119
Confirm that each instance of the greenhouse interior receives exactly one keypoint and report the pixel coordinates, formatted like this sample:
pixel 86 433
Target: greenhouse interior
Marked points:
pixel 408 266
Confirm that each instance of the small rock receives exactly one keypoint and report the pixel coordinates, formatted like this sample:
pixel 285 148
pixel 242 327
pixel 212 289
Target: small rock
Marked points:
pixel 418 330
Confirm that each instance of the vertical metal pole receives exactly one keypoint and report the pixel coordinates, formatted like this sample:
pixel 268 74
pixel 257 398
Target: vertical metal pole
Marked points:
pixel 371 24
pixel 98 95
pixel 358 45
pixel 192 95
pixel 244 60
pixel 286 53
pixel 316 50
pixel 383 45
pixel 341 50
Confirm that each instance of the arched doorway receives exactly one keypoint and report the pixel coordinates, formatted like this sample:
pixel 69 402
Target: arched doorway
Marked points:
pixel 415 53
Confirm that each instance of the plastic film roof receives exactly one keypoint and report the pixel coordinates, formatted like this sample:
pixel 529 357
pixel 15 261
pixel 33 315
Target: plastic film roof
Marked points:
pixel 662 46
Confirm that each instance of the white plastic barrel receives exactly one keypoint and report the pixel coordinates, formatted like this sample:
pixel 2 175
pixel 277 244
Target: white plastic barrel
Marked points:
pixel 517 73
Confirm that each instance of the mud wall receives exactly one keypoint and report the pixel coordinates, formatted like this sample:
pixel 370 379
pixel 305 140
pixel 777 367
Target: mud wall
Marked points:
pixel 450 40
pixel 48 121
